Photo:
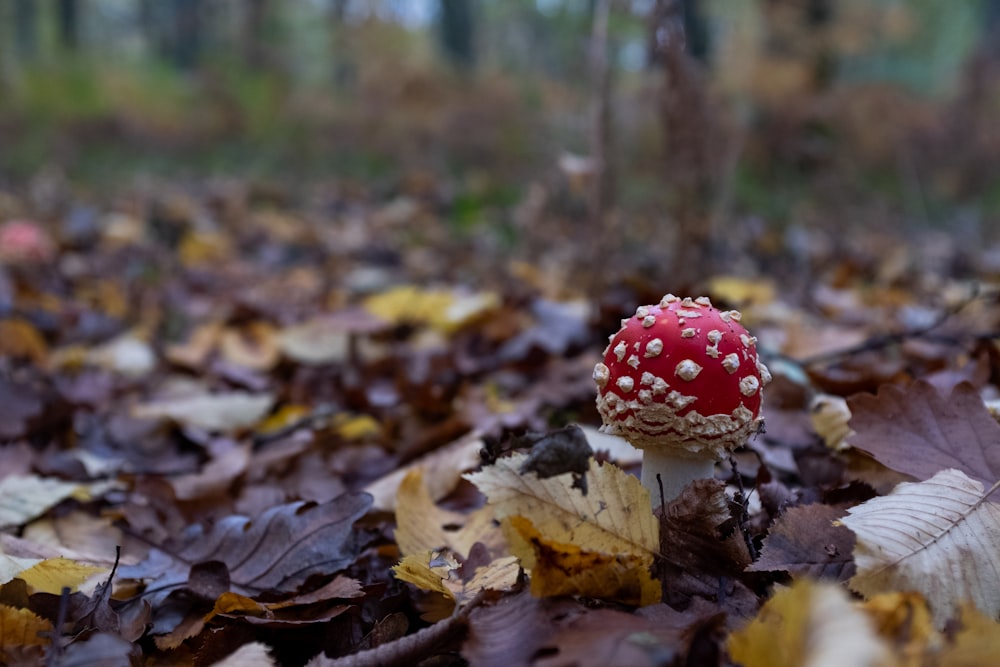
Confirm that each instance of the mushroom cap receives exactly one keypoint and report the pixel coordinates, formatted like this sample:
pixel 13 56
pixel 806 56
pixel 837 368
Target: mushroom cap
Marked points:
pixel 682 374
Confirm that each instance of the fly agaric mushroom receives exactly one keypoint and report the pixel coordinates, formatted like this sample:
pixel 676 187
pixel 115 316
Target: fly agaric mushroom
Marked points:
pixel 681 380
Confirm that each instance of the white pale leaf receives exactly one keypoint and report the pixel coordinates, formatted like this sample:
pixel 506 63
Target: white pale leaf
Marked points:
pixel 614 516
pixel 24 497
pixel 940 537
pixel 211 412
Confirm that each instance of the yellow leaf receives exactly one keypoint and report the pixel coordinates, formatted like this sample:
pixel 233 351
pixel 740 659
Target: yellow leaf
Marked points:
pixel 20 627
pixel 976 644
pixel 439 572
pixel 444 310
pixel 809 625
pixel 905 621
pixel 741 291
pixel 938 537
pixel 53 574
pixel 19 339
pixel 830 416
pixel 283 417
pixel 234 603
pixel 203 248
pixel 566 569
pixel 613 518
pixel 427 571
pixel 356 427
pixel 421 524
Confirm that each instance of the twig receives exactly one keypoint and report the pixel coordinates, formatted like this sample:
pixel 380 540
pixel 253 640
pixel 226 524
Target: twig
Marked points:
pixel 742 500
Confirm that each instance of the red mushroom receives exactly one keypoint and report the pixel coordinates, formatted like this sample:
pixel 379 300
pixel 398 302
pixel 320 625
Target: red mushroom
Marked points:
pixel 681 380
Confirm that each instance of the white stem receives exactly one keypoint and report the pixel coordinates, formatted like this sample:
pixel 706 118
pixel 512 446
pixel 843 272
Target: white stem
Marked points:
pixel 675 473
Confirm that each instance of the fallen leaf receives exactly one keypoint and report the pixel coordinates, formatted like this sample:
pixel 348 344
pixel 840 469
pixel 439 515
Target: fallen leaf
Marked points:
pixel 697 531
pixel 22 628
pixel 830 417
pixel 804 541
pixel 613 518
pixel 254 654
pixel 444 310
pixel 937 537
pixel 559 568
pixel 977 643
pixel 53 574
pixel 423 526
pixel 253 345
pixel 211 412
pixel 278 550
pixel 905 621
pixel 24 497
pixel 810 624
pixel 194 352
pixel 916 431
pixel 443 468
pixel 440 572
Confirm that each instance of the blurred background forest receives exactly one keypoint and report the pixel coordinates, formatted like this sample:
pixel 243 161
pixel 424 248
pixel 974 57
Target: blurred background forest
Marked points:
pixel 683 138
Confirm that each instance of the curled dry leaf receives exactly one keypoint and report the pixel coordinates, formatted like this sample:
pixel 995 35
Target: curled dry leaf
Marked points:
pixel 938 537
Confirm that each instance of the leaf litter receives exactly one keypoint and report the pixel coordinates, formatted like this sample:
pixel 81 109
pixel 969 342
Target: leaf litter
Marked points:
pixel 318 461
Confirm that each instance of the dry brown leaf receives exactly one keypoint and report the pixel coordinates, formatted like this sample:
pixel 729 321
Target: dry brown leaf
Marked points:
pixel 809 625
pixel 938 537
pixel 440 572
pixel 805 541
pixel 254 345
pixel 916 431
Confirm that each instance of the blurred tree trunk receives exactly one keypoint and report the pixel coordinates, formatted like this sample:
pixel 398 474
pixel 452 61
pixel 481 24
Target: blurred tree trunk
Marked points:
pixel 186 40
pixel 255 13
pixel 689 139
pixel 456 30
pixel 602 184
pixel 69 24
pixel 341 51
pixel 26 28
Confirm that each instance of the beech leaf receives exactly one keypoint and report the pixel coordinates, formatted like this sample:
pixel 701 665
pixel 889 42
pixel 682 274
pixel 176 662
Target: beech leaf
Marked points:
pixel 938 537
pixel 614 516
pixel 278 550
pixel 916 431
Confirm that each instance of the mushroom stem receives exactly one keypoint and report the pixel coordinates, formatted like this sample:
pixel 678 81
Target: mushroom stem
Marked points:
pixel 675 472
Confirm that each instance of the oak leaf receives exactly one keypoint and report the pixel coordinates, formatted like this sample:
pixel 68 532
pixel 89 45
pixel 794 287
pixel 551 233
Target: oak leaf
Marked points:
pixel 938 537
pixel 278 550
pixel 811 624
pixel 916 431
